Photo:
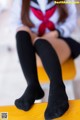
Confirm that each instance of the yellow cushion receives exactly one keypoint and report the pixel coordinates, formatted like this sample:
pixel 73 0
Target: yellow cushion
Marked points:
pixel 37 112
pixel 68 71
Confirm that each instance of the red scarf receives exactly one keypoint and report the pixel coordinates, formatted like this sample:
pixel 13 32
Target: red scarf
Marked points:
pixel 46 23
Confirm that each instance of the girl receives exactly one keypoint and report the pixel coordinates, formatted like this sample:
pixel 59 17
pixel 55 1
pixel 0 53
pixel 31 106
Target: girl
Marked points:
pixel 44 27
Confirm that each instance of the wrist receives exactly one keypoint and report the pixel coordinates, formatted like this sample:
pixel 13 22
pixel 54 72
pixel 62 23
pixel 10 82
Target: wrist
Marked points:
pixel 60 32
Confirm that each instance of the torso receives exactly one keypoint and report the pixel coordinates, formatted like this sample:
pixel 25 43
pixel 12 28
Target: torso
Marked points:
pixel 44 15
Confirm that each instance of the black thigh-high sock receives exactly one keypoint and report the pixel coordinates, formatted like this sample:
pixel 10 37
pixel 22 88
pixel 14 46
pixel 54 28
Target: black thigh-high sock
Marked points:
pixel 58 100
pixel 26 53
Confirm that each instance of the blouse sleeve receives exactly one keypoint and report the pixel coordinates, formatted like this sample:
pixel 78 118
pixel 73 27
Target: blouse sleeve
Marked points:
pixel 15 15
pixel 68 26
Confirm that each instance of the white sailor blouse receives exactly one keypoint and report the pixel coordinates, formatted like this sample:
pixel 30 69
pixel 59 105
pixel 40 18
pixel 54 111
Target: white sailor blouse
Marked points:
pixel 44 15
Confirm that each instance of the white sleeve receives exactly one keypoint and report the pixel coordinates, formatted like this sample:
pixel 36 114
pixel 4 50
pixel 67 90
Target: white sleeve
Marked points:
pixel 69 25
pixel 15 15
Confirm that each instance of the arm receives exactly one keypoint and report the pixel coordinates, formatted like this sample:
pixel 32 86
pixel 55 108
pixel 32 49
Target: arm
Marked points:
pixel 68 26
pixel 15 15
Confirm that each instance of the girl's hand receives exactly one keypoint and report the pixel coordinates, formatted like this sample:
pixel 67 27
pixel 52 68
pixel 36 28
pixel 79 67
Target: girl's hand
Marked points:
pixel 54 34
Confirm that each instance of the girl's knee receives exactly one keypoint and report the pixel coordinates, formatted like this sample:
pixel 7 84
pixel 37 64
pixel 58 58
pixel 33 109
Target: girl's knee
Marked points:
pixel 23 28
pixel 37 38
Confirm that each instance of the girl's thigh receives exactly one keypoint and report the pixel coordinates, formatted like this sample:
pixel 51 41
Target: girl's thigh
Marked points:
pixel 61 47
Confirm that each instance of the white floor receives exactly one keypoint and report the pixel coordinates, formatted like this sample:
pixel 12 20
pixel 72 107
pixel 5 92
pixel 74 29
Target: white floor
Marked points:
pixel 12 81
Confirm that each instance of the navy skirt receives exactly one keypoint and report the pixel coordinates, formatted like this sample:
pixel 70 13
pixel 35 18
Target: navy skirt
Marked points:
pixel 74 46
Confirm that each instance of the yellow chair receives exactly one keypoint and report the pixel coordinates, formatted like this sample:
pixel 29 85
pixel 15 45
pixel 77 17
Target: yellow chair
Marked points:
pixel 68 74
pixel 68 71
pixel 37 112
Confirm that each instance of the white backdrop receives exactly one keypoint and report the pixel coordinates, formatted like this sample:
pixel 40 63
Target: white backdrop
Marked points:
pixel 4 4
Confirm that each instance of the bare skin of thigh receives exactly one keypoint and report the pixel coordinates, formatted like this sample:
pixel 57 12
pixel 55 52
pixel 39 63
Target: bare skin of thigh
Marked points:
pixel 62 49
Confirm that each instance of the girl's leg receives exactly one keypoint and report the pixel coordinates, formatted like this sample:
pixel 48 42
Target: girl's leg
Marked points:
pixel 58 100
pixel 27 59
pixel 61 47
pixel 74 46
pixel 64 46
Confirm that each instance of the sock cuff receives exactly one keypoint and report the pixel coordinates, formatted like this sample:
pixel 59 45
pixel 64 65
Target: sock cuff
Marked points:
pixel 41 41
pixel 41 45
pixel 23 33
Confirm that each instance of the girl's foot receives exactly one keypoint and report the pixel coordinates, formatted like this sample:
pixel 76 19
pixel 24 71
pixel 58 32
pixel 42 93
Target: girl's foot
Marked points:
pixel 57 102
pixel 31 94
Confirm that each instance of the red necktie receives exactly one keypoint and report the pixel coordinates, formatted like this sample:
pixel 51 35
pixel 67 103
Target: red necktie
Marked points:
pixel 46 23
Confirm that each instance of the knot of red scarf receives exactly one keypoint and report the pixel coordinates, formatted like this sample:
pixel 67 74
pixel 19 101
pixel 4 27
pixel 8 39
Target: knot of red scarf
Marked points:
pixel 46 23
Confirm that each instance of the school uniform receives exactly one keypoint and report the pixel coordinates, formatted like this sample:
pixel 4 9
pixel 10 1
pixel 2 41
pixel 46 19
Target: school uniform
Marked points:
pixel 44 15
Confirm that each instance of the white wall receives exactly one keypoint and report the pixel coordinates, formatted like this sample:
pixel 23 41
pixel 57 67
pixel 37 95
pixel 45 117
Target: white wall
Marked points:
pixel 4 4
